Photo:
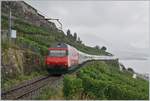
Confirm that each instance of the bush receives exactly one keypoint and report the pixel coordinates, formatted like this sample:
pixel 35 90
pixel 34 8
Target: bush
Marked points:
pixel 72 87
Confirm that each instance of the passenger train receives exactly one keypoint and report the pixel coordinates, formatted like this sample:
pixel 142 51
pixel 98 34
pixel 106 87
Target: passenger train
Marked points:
pixel 63 57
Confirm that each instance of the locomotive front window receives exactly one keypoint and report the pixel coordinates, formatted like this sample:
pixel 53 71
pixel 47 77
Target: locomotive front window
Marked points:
pixel 57 53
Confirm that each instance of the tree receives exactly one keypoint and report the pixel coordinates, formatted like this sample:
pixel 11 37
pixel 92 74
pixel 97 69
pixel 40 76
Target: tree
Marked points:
pixel 97 47
pixel 130 70
pixel 79 40
pixel 75 36
pixel 68 33
pixel 123 67
pixel 104 48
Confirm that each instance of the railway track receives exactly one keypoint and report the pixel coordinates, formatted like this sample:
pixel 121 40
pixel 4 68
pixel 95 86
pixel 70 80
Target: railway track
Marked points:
pixel 29 88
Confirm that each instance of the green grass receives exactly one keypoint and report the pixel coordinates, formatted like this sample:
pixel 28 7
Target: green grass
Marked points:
pixel 33 45
pixel 8 83
pixel 49 93
pixel 52 92
pixel 45 94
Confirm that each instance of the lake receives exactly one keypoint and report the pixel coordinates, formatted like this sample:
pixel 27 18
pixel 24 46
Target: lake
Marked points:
pixel 139 66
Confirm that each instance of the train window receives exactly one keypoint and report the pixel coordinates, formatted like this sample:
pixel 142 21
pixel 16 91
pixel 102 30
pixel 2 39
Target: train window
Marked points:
pixel 58 53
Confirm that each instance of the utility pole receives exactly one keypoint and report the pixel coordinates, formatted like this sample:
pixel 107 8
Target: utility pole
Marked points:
pixel 9 35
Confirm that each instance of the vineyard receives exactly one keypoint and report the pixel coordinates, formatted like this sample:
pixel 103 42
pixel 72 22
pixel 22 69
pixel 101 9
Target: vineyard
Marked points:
pixel 103 80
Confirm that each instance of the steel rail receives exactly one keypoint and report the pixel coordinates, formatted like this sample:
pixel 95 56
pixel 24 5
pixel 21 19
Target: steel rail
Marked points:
pixel 27 88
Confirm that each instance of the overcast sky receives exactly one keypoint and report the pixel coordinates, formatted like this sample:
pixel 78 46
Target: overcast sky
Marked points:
pixel 119 25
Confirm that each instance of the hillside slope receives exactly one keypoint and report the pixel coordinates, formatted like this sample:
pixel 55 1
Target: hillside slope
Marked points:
pixel 104 81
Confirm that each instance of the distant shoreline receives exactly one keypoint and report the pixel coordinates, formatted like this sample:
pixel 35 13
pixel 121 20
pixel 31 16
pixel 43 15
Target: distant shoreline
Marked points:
pixel 133 59
pixel 138 65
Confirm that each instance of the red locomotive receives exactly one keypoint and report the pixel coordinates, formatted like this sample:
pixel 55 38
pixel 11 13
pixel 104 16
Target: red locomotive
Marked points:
pixel 61 57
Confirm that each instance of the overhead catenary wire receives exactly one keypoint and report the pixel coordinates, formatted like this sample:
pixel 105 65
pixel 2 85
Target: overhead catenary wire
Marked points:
pixel 48 18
